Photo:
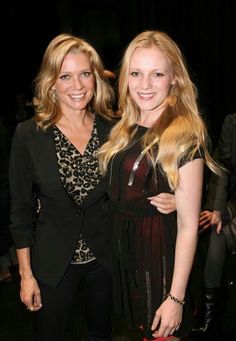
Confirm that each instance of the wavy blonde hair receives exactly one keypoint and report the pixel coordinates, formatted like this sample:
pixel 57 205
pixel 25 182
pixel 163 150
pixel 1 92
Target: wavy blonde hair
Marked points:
pixel 48 112
pixel 178 133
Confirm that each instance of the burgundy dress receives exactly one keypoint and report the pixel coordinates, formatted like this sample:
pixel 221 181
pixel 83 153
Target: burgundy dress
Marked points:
pixel 143 239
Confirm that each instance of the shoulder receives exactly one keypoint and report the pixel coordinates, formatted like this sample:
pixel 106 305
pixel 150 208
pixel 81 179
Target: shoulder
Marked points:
pixel 28 130
pixel 105 122
pixel 230 119
pixel 228 128
pixel 104 126
pixel 26 127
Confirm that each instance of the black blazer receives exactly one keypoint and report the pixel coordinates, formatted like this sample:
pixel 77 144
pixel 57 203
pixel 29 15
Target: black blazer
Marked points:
pixel 222 189
pixel 52 233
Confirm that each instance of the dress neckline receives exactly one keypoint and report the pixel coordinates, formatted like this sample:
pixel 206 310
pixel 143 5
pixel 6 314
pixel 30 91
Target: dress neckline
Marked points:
pixel 142 127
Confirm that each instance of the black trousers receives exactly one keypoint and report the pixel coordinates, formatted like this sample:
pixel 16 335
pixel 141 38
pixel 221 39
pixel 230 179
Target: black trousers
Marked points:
pixel 50 322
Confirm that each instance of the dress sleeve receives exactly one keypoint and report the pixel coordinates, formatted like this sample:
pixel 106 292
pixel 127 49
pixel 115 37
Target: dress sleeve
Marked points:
pixel 23 212
pixel 185 159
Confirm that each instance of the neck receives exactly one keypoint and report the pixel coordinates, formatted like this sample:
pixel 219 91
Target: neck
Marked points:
pixel 76 120
pixel 148 118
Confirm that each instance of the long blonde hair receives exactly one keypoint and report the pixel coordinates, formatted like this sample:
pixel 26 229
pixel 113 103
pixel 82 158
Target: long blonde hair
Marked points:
pixel 47 110
pixel 178 133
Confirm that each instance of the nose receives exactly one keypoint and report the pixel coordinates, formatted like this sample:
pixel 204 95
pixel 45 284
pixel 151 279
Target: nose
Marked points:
pixel 77 83
pixel 146 82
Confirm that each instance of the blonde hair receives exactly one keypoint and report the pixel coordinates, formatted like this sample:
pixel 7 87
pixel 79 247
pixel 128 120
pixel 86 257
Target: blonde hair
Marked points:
pixel 178 133
pixel 47 110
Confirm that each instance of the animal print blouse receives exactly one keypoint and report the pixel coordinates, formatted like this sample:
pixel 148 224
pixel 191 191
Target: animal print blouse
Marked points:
pixel 79 175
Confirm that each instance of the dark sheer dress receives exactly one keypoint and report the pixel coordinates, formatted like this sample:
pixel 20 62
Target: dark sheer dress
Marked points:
pixel 143 239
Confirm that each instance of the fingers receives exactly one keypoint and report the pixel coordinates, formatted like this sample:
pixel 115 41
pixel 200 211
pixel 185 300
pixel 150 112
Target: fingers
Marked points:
pixel 203 229
pixel 36 305
pixel 155 322
pixel 205 218
pixel 205 221
pixel 164 202
pixel 219 227
pixel 163 210
pixel 30 294
pixel 165 331
pixel 161 330
pixel 167 319
pixel 33 307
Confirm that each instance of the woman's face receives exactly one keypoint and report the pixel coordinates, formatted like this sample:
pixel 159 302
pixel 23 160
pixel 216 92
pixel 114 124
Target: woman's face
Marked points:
pixel 76 83
pixel 150 79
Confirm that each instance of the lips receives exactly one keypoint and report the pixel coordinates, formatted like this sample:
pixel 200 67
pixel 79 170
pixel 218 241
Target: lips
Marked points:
pixel 145 97
pixel 77 97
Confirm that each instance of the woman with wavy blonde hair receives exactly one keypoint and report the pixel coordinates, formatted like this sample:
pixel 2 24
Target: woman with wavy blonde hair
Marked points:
pixel 45 102
pixel 159 145
pixel 58 211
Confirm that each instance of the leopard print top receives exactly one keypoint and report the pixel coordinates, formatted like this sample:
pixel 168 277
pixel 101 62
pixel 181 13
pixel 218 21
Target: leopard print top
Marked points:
pixel 79 175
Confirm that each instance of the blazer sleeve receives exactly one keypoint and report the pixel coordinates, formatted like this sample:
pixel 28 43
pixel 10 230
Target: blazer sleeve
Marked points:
pixel 218 185
pixel 23 213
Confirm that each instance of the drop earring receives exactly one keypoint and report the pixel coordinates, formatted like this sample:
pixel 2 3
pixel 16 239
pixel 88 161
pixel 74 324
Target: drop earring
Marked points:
pixel 53 96
pixel 172 99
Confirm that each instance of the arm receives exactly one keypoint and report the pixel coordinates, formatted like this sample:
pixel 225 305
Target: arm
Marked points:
pixel 29 290
pixel 218 185
pixel 165 203
pixel 188 203
pixel 23 216
pixel 217 195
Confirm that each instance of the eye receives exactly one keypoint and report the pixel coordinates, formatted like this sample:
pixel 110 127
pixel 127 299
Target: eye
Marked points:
pixel 158 74
pixel 64 77
pixel 135 74
pixel 86 74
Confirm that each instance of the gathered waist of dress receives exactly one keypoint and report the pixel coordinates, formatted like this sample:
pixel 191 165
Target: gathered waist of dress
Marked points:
pixel 134 207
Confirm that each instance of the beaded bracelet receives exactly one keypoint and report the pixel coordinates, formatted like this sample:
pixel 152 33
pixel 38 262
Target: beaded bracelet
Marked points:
pixel 176 300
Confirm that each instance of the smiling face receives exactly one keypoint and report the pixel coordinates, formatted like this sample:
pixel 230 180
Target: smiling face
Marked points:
pixel 76 83
pixel 150 79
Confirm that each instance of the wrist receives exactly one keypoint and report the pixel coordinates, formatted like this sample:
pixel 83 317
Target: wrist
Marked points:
pixel 176 299
pixel 26 274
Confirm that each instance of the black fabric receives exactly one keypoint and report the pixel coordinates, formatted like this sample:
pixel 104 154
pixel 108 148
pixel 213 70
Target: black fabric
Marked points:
pixel 229 231
pixel 95 281
pixel 5 235
pixel 228 325
pixel 143 241
pixel 52 233
pixel 215 260
pixel 222 189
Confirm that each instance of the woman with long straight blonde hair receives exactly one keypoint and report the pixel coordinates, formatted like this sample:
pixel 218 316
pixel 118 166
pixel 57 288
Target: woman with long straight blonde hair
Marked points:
pixel 159 145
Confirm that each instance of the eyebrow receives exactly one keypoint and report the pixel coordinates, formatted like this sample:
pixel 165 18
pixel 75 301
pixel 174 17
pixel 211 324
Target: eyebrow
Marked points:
pixel 67 71
pixel 156 69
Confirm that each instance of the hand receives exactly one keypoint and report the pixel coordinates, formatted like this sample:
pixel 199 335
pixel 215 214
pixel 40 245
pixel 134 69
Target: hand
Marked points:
pixel 204 221
pixel 30 293
pixel 167 319
pixel 216 220
pixel 209 219
pixel 164 202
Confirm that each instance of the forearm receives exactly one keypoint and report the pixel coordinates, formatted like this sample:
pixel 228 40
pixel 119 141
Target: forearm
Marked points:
pixel 184 254
pixel 188 204
pixel 24 261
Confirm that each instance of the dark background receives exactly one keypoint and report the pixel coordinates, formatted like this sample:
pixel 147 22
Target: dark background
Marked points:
pixel 204 30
